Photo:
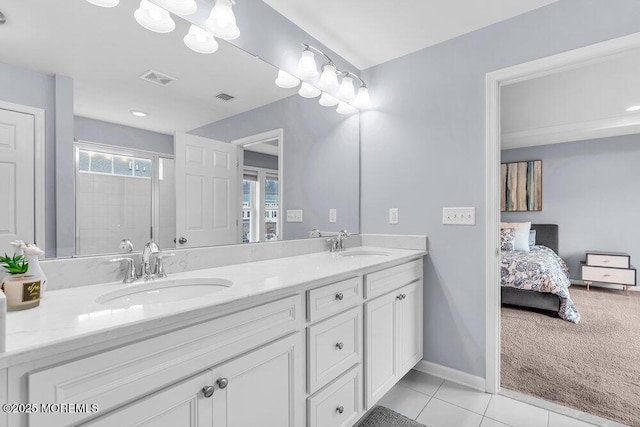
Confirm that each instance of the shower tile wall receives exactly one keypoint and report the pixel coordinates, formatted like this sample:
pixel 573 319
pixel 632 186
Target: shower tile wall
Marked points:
pixel 112 208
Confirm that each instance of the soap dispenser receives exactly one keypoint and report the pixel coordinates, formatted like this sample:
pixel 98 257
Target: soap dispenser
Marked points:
pixel 31 253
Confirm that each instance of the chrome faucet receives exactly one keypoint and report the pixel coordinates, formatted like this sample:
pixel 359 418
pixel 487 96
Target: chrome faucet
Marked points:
pixel 151 248
pixel 337 244
pixel 146 271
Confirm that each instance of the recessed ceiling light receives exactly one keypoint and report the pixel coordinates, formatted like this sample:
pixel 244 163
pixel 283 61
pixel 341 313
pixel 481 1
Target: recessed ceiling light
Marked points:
pixel 139 113
pixel 633 108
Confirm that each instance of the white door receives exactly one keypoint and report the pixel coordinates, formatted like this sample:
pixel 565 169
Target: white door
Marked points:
pixel 17 216
pixel 183 405
pixel 409 327
pixel 206 191
pixel 262 388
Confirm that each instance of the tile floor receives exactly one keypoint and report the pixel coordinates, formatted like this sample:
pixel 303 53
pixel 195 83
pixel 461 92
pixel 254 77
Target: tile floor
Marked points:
pixel 435 402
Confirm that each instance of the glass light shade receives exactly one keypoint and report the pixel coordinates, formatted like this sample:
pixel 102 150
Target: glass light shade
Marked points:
pixel 201 41
pixel 105 3
pixel 222 21
pixel 154 18
pixel 327 100
pixel 179 7
pixel 308 91
pixel 346 91
pixel 344 108
pixel 362 101
pixel 328 78
pixel 286 80
pixel 307 68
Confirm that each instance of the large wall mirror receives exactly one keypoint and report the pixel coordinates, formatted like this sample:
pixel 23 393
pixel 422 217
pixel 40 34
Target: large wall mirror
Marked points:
pixel 111 132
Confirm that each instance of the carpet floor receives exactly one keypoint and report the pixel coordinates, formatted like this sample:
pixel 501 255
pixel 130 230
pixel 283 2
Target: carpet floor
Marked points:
pixel 593 366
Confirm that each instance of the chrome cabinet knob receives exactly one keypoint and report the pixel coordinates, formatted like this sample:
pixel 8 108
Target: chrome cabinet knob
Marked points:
pixel 339 296
pixel 222 383
pixel 182 240
pixel 340 409
pixel 340 345
pixel 207 391
pixel 404 296
pixel 399 297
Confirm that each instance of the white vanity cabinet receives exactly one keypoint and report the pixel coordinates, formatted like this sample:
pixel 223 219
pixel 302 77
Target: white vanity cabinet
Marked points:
pixel 393 328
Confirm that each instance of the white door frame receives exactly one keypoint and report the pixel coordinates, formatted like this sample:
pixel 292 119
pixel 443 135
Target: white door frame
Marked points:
pixel 494 81
pixel 255 139
pixel 39 165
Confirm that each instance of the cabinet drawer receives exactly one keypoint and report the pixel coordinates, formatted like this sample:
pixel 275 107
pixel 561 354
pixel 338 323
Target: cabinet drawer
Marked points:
pixel 334 346
pixel 608 275
pixel 114 377
pixel 331 299
pixel 338 405
pixel 608 260
pixel 381 282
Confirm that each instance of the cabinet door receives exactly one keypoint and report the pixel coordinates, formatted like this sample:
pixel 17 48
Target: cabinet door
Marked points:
pixel 380 354
pixel 183 404
pixel 262 388
pixel 409 327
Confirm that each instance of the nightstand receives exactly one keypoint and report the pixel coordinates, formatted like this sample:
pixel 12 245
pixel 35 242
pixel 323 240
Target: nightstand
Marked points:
pixel 608 267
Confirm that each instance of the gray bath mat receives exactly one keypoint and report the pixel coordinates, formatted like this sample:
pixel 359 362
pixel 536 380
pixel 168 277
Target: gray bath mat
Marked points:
pixel 385 417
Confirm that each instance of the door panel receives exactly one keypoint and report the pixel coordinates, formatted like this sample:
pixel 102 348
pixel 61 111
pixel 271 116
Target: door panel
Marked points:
pixel 409 327
pixel 380 347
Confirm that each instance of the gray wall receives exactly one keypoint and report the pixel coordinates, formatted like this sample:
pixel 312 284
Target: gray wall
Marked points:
pixel 588 189
pixel 320 154
pixel 423 148
pixel 260 160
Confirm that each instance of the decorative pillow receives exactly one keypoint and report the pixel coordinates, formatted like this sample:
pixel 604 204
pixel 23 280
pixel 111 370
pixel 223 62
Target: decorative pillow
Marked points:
pixel 507 239
pixel 532 239
pixel 522 234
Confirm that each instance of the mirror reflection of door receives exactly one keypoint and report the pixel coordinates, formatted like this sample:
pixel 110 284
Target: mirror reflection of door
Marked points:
pixel 261 186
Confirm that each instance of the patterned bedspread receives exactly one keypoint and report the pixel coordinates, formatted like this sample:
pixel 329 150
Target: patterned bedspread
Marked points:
pixel 540 270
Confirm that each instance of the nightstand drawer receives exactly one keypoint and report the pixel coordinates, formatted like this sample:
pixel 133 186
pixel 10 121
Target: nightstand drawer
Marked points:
pixel 618 276
pixel 615 260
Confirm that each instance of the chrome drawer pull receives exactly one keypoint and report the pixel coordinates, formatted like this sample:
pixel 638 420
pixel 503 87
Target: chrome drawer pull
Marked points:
pixel 340 409
pixel 339 296
pixel 222 383
pixel 207 391
pixel 340 345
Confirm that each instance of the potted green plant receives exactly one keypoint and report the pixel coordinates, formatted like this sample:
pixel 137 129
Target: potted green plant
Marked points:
pixel 22 290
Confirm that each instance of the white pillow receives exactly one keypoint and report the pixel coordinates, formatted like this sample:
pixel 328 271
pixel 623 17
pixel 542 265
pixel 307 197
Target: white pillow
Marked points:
pixel 522 234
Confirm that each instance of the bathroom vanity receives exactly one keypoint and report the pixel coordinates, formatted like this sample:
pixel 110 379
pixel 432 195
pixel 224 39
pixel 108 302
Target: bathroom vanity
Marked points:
pixel 310 340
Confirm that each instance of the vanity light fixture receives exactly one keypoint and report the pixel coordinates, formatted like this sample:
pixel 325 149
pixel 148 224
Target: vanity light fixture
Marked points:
pixel 105 3
pixel 307 68
pixel 154 18
pixel 286 80
pixel 327 100
pixel 633 108
pixel 139 113
pixel 179 7
pixel 308 91
pixel 200 41
pixel 222 21
pixel 363 100
pixel 329 78
pixel 344 108
pixel 346 92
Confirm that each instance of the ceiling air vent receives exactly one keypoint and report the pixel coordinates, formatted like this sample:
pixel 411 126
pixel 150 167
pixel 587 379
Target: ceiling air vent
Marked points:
pixel 224 96
pixel 157 78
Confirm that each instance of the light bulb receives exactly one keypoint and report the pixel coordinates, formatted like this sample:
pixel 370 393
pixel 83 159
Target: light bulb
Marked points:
pixel 327 100
pixel 346 91
pixel 154 18
pixel 308 91
pixel 179 7
pixel 201 41
pixel 307 68
pixel 362 101
pixel 222 21
pixel 344 108
pixel 328 78
pixel 286 80
pixel 105 3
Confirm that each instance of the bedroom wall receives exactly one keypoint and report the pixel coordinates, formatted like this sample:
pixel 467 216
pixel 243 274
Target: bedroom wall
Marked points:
pixel 423 148
pixel 587 189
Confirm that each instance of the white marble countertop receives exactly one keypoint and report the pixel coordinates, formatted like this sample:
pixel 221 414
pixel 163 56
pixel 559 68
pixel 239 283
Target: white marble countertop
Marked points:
pixel 69 319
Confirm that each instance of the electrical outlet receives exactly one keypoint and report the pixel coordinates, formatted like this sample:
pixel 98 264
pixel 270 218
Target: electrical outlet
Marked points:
pixel 294 215
pixel 393 216
pixel 459 216
pixel 333 214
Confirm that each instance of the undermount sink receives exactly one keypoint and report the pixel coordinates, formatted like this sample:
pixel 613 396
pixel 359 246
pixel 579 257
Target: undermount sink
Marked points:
pixel 164 290
pixel 363 252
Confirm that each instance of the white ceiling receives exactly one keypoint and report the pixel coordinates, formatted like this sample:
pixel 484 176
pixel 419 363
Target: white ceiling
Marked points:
pixel 105 51
pixel 370 32
pixel 575 104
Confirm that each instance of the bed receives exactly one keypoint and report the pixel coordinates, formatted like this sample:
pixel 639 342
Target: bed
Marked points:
pixel 559 302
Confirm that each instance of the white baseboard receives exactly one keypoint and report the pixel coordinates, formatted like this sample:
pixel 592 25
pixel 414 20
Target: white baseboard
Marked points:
pixel 450 374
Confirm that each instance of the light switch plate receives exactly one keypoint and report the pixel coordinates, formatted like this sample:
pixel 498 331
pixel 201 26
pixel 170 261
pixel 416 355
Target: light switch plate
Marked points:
pixel 294 215
pixel 333 214
pixel 459 216
pixel 393 216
